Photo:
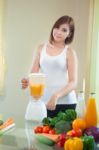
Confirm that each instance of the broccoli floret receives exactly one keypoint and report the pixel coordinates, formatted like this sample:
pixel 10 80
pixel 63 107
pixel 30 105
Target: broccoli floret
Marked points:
pixel 70 114
pixel 63 126
pixel 46 121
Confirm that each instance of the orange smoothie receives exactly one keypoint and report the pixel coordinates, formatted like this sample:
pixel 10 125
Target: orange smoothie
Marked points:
pixel 37 90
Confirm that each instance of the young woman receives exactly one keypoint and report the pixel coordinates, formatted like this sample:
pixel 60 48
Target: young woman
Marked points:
pixel 59 62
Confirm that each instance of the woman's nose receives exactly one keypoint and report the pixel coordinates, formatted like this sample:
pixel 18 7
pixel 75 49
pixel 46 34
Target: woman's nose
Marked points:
pixel 59 31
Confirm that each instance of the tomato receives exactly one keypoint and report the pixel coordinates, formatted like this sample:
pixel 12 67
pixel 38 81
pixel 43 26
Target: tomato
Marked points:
pixel 46 129
pixel 38 129
pixel 78 132
pixel 75 133
pixel 52 131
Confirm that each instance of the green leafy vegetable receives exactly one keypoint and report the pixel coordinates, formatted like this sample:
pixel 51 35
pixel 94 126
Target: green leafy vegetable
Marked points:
pixel 70 115
pixel 46 121
pixel 63 126
pixel 61 115
pixel 53 121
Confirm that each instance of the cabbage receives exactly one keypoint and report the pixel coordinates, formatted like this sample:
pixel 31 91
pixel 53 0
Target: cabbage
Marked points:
pixel 94 131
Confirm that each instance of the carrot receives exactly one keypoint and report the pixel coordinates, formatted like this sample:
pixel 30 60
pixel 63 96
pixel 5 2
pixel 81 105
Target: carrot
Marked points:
pixel 10 120
pixel 7 123
pixel 53 137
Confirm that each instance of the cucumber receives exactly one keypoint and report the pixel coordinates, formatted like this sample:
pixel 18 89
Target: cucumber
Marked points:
pixel 45 140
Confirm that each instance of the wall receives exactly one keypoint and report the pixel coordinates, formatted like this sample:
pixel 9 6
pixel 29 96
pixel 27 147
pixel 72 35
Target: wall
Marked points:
pixel 27 24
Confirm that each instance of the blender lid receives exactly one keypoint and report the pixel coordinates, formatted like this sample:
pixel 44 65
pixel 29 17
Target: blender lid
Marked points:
pixel 37 74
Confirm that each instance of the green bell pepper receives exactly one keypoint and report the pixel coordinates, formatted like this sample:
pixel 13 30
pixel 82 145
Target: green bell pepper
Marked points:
pixel 88 142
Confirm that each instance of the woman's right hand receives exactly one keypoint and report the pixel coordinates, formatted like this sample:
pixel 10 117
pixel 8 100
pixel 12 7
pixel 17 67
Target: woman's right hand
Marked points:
pixel 24 83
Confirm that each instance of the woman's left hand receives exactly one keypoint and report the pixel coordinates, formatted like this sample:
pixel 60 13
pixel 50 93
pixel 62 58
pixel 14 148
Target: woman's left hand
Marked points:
pixel 51 105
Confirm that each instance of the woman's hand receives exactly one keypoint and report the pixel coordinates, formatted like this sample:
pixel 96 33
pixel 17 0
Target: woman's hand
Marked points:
pixel 51 105
pixel 24 83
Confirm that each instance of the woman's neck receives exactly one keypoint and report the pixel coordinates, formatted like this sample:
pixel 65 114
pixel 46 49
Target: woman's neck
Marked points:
pixel 58 45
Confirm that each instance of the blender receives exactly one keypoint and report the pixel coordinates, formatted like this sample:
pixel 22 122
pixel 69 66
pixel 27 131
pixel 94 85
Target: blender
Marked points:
pixel 36 109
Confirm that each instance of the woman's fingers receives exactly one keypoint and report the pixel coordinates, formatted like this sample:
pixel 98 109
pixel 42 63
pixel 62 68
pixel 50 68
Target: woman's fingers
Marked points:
pixel 24 83
pixel 50 107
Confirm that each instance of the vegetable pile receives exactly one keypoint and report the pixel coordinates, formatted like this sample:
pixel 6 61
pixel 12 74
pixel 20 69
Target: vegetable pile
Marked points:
pixel 67 131
pixel 62 123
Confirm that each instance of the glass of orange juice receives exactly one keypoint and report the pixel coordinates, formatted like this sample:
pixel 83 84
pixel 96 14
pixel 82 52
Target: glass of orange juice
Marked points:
pixel 37 85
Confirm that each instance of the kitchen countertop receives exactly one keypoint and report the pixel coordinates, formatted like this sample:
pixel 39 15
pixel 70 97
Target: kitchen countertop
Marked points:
pixel 21 137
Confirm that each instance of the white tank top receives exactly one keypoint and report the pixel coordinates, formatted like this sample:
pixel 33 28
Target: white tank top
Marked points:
pixel 55 68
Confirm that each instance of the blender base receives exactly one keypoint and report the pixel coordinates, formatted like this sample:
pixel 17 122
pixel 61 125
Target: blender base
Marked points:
pixel 36 111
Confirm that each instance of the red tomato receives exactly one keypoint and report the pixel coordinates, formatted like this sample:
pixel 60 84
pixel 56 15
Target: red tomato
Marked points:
pixel 38 129
pixel 73 133
pixel 78 132
pixel 46 129
pixel 51 131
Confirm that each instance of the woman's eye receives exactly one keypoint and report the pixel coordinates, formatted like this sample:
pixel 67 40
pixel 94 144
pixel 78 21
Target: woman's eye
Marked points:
pixel 64 30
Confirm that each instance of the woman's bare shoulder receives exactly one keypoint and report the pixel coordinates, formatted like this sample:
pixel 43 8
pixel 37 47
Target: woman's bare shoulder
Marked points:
pixel 39 48
pixel 70 51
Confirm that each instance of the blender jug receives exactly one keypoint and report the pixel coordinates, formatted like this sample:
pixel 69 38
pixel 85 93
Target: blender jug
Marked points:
pixel 36 85
pixel 36 109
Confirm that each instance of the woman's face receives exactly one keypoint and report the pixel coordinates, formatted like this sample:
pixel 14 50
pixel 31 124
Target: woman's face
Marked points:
pixel 61 33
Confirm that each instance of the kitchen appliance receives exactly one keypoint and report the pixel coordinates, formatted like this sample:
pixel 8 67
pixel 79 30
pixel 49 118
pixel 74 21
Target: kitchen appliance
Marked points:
pixel 36 109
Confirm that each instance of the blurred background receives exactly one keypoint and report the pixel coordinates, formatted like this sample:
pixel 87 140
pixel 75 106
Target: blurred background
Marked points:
pixel 24 24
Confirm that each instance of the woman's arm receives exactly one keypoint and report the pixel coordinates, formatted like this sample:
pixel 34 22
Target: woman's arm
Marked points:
pixel 35 68
pixel 36 64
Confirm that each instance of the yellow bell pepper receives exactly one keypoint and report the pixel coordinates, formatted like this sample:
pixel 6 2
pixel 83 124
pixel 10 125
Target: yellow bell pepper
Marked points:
pixel 73 144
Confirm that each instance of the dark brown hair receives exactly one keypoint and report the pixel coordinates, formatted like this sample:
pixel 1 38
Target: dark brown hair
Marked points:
pixel 62 20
